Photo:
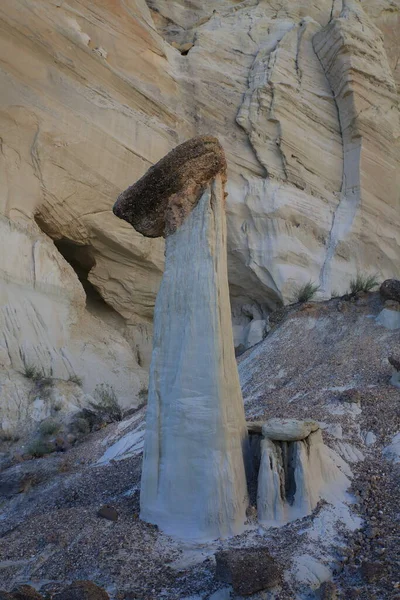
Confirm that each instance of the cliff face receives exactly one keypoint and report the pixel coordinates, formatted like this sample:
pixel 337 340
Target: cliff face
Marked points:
pixel 303 97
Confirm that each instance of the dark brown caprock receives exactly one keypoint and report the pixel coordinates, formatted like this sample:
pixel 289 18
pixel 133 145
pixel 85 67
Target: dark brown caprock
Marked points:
pixel 159 202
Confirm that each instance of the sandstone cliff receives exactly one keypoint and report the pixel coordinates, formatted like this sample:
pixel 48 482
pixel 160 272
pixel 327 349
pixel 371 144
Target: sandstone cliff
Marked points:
pixel 302 95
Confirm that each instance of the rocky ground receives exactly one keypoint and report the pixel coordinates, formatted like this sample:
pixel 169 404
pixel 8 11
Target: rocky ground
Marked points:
pixel 324 361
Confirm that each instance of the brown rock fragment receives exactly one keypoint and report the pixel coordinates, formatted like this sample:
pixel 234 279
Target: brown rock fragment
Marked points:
pixel 26 592
pixel 82 590
pixel 248 570
pixel 371 571
pixel 159 202
pixel 108 512
pixel 390 290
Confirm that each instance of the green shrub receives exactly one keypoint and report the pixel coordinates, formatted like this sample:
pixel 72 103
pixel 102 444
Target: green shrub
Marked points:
pixel 80 425
pixel 30 371
pixel 75 379
pixel 306 292
pixel 49 427
pixel 107 404
pixel 363 283
pixel 42 380
pixel 38 448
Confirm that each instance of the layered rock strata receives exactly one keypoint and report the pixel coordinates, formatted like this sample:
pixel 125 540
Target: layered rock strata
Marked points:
pixel 193 481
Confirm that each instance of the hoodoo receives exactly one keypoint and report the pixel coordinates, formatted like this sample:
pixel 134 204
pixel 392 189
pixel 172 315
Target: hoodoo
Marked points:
pixel 193 480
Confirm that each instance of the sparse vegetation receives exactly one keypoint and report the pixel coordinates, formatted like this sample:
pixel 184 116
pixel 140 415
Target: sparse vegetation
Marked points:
pixel 80 425
pixel 363 283
pixel 49 427
pixel 42 380
pixel 306 292
pixel 143 393
pixel 76 379
pixel 107 404
pixel 38 448
pixel 8 436
pixel 335 294
pixel 31 372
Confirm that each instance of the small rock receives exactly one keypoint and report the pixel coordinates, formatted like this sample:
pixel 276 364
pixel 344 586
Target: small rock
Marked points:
pixel 82 590
pixel 390 290
pixel 352 396
pixel 371 571
pixel 328 591
pixel 395 362
pixel 288 430
pixel 26 592
pixel 108 512
pixel 248 570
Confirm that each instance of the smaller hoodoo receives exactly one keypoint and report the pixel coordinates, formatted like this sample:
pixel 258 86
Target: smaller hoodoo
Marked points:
pixel 296 470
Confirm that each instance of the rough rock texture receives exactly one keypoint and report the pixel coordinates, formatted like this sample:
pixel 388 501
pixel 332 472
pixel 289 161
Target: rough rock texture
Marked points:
pixel 51 533
pixel 161 200
pixel 295 476
pixel 26 592
pixel 288 430
pixel 82 590
pixel 249 570
pixel 193 481
pixel 390 290
pixel 303 96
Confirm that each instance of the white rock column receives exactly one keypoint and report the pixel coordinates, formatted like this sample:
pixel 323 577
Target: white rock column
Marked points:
pixel 193 480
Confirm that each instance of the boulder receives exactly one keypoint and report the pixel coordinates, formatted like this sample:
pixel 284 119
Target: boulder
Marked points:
pixel 82 590
pixel 288 430
pixel 390 289
pixel 248 570
pixel 108 512
pixel 388 318
pixel 26 592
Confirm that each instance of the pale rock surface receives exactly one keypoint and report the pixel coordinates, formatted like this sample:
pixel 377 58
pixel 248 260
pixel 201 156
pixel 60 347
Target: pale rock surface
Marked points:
pixel 389 318
pixel 127 441
pixel 392 452
pixel 193 479
pixel 44 323
pixel 395 379
pixel 288 430
pixel 293 478
pixel 303 96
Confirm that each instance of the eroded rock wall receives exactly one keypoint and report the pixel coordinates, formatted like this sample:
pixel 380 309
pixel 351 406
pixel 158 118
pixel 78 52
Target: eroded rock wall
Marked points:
pixel 303 97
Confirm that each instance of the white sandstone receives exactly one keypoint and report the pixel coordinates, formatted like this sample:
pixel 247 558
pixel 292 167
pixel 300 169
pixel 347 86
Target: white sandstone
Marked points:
pixel 193 480
pixel 288 430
